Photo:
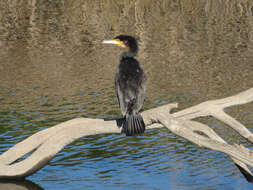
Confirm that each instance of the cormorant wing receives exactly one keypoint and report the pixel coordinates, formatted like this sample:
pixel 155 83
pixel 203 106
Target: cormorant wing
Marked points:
pixel 120 98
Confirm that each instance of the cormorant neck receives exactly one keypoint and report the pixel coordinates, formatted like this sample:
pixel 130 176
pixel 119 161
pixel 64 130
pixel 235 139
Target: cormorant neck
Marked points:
pixel 132 51
pixel 127 54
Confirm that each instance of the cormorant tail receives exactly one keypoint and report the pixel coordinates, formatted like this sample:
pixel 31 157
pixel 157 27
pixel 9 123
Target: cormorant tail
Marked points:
pixel 133 124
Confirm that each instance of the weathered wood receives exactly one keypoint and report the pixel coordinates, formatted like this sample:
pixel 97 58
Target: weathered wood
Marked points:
pixel 215 108
pixel 47 143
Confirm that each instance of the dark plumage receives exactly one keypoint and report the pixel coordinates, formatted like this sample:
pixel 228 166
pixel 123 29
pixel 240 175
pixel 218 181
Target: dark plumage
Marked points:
pixel 130 86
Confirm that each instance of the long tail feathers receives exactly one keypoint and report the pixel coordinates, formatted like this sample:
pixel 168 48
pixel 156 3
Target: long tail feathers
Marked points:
pixel 133 124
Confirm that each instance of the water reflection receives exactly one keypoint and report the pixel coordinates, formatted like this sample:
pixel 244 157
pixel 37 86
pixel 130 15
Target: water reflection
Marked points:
pixel 58 49
pixel 54 68
pixel 19 185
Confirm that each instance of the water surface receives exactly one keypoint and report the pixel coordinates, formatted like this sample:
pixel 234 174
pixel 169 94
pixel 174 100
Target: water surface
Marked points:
pixel 53 67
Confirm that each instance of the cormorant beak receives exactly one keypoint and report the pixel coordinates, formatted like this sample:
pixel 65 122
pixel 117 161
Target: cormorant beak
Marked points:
pixel 116 42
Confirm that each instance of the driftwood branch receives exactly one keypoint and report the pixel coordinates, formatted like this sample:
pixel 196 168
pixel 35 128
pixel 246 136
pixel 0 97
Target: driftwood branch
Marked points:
pixel 45 144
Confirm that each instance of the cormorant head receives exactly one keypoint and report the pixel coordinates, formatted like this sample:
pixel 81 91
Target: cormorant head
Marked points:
pixel 125 41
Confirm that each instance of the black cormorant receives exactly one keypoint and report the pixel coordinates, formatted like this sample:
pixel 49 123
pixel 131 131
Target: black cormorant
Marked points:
pixel 130 85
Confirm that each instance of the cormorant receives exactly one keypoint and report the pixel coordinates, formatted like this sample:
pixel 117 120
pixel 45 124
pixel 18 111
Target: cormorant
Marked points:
pixel 130 85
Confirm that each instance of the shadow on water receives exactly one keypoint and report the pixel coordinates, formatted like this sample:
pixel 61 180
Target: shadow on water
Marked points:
pixel 53 68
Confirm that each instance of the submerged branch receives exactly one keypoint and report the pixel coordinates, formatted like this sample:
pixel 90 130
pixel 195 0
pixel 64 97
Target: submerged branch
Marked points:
pixel 45 144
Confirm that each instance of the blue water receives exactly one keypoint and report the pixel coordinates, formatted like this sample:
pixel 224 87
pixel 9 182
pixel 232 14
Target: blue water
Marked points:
pixel 53 68
pixel 156 160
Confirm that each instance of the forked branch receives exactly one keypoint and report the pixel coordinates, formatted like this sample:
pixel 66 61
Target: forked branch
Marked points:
pixel 45 144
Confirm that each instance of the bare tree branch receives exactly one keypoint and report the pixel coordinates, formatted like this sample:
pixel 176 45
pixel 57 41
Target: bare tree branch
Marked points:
pixel 215 108
pixel 47 143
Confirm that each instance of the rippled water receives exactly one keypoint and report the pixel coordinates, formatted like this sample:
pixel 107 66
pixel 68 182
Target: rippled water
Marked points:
pixel 53 68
